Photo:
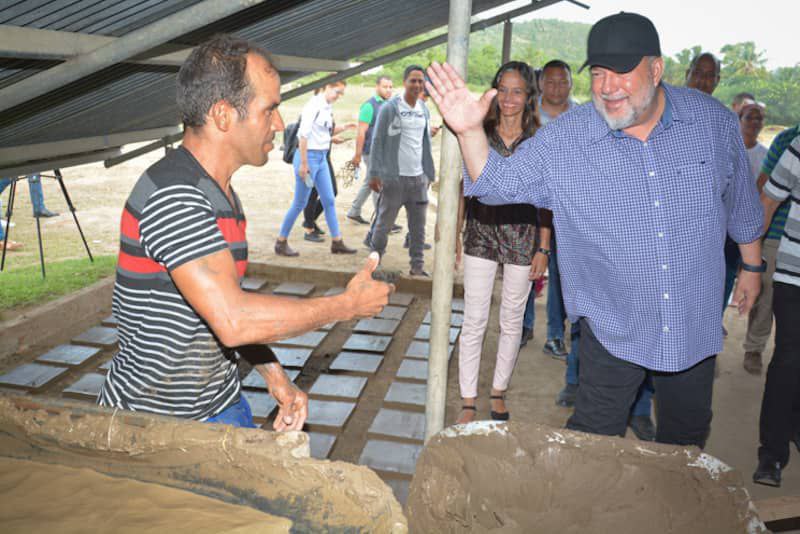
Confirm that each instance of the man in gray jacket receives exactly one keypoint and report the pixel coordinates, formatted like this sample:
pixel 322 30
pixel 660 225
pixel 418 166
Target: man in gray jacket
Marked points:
pixel 401 166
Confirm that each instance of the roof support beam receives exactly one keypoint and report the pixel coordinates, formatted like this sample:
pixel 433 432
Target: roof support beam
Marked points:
pixel 403 52
pixel 57 163
pixel 135 42
pixel 32 43
pixel 23 153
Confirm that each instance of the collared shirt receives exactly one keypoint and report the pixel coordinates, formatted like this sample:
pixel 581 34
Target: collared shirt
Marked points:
pixel 412 130
pixel 783 184
pixel 545 117
pixel 641 225
pixel 316 123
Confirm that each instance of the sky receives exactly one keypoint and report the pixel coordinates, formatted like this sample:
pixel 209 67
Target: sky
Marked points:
pixel 709 23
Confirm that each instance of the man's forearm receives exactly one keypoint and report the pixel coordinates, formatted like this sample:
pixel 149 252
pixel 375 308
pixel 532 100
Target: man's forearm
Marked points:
pixel 751 252
pixel 268 318
pixel 361 138
pixel 475 151
pixel 770 205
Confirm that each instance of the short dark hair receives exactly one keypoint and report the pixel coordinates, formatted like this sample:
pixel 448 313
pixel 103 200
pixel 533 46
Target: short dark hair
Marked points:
pixel 214 71
pixel 557 63
pixel 410 69
pixel 380 78
pixel 709 55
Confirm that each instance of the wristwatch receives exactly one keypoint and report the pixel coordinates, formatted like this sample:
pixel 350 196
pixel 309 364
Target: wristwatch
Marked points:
pixel 755 268
pixel 544 251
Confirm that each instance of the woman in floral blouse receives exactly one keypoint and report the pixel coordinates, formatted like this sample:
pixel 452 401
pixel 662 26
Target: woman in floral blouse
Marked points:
pixel 499 235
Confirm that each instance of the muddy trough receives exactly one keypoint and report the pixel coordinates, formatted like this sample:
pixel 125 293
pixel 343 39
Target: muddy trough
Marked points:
pixel 514 477
pixel 267 472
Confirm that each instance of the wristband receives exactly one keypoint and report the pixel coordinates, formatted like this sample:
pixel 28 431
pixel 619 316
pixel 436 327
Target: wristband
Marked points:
pixel 544 251
pixel 755 268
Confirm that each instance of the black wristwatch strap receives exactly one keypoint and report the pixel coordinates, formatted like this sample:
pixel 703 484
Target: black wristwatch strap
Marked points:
pixel 544 251
pixel 755 268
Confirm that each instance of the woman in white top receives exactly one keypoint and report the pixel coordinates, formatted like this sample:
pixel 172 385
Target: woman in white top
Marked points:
pixel 311 168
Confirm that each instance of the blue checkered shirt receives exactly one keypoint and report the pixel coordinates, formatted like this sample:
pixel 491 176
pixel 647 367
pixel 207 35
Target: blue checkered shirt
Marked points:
pixel 640 225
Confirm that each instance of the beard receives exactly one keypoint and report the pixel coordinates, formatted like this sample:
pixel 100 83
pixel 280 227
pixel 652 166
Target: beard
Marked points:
pixel 631 115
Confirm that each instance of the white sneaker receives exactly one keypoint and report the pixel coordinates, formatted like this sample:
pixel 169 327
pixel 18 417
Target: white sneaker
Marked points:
pixel 3 224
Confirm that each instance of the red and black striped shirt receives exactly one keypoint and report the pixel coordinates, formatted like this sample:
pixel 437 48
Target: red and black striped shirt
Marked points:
pixel 169 361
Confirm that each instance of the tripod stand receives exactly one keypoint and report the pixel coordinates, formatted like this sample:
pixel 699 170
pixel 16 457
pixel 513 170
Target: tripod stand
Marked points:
pixel 12 196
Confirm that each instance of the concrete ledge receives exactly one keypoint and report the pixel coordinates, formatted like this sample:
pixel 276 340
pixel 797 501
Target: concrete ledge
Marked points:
pixel 55 321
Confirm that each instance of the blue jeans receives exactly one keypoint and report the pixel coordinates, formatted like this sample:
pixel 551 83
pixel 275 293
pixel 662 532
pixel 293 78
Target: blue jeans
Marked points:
pixel 644 399
pixel 37 196
pixel 320 174
pixel 239 414
pixel 555 301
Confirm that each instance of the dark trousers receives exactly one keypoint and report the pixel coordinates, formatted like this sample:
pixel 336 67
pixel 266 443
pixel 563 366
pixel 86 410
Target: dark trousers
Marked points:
pixel 608 388
pixel 780 413
pixel 313 207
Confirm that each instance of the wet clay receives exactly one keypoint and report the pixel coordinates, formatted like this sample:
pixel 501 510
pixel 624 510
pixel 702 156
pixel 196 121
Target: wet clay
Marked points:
pixel 38 497
pixel 268 471
pixel 489 477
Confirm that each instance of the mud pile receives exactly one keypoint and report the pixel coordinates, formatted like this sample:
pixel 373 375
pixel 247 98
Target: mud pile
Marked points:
pixel 514 477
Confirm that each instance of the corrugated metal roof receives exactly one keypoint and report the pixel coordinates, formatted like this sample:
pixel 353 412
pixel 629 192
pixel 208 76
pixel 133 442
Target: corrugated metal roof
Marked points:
pixel 129 97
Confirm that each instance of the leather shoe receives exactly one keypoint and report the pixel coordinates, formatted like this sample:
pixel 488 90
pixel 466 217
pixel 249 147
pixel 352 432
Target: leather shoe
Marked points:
pixel 419 272
pixel 566 397
pixel 358 218
pixel 752 362
pixel 643 427
pixel 768 473
pixel 45 213
pixel 338 247
pixel 555 348
pixel 313 237
pixel 282 248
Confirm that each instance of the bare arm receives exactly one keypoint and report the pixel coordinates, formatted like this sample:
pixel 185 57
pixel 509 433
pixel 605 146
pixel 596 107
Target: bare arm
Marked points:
pixel 302 146
pixel 762 179
pixel 463 114
pixel 361 137
pixel 210 285
pixel 770 205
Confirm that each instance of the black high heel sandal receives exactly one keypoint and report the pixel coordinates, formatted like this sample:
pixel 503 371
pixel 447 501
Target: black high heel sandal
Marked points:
pixel 499 416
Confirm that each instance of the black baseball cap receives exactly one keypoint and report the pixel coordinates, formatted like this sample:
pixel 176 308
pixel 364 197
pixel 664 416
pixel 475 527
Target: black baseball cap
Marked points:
pixel 619 42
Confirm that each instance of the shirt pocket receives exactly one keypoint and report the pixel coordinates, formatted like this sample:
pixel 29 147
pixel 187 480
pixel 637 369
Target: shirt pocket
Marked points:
pixel 692 190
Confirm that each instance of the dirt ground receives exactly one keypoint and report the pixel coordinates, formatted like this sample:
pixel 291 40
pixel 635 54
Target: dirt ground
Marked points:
pixel 266 193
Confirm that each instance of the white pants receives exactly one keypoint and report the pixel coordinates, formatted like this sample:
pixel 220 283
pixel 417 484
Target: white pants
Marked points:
pixel 479 275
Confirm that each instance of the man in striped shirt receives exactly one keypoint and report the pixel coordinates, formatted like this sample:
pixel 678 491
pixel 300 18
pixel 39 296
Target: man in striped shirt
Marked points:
pixel 183 250
pixel 759 322
pixel 779 422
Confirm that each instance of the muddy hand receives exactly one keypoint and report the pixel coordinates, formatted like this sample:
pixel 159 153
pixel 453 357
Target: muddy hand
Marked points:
pixel 368 296
pixel 292 406
pixel 460 110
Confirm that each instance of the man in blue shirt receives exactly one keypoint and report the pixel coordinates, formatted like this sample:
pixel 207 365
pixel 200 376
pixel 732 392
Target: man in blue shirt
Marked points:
pixel 644 183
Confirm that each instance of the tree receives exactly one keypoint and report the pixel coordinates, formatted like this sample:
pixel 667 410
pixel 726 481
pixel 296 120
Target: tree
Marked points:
pixel 742 60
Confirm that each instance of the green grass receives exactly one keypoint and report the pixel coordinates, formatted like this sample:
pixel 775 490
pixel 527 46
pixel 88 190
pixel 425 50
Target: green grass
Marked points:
pixel 24 286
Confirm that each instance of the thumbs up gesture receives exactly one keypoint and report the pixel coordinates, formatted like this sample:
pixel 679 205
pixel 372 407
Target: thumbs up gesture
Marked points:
pixel 368 296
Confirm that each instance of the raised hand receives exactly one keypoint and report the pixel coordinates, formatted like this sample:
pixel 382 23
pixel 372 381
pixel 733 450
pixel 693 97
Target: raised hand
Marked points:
pixel 368 296
pixel 461 111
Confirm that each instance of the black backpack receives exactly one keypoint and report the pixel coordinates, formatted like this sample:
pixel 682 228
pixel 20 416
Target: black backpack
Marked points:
pixel 290 141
